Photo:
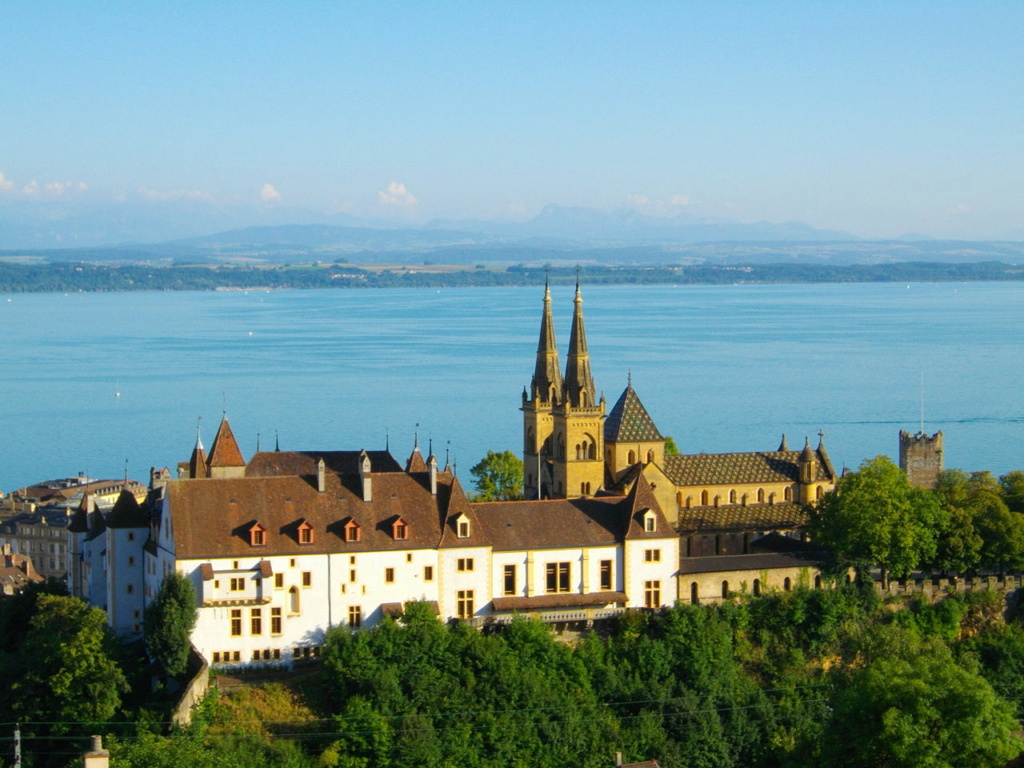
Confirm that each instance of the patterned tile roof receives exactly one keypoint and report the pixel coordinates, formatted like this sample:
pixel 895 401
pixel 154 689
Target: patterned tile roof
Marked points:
pixel 736 517
pixel 741 468
pixel 629 421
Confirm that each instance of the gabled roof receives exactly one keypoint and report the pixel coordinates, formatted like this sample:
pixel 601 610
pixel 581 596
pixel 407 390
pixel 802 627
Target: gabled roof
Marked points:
pixel 212 519
pixel 629 421
pixel 127 513
pixel 642 501
pixel 415 462
pixel 80 520
pixel 740 468
pixel 285 463
pixel 225 452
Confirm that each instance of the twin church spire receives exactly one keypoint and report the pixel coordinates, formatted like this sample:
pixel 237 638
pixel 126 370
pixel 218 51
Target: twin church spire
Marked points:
pixel 548 386
pixel 563 418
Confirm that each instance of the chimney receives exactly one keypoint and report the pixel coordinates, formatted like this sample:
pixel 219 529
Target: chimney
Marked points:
pixel 97 756
pixel 432 464
pixel 321 480
pixel 364 476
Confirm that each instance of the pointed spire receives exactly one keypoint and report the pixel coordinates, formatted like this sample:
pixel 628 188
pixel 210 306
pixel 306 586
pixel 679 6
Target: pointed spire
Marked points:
pixel 197 462
pixel 547 380
pixel 579 384
pixel 782 446
pixel 807 454
pixel 225 451
pixel 277 442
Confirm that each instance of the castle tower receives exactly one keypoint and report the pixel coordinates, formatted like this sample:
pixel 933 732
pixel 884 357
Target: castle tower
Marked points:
pixel 225 456
pixel 921 458
pixel 630 435
pixel 578 435
pixel 538 405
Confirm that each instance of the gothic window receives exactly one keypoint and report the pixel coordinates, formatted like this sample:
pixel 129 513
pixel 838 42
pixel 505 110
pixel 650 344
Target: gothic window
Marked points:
pixel 703 498
pixel 694 594
pixel 786 584
pixel 631 458
pixel 592 451
pixel 732 496
pixel 725 590
pixel 579 451
pixel 760 495
pixel 788 494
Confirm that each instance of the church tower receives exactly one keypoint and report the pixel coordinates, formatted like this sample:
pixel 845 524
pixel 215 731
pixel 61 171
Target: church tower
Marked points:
pixel 578 416
pixel 538 411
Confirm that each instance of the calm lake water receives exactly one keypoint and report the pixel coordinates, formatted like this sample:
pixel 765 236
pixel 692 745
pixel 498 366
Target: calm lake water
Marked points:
pixel 89 382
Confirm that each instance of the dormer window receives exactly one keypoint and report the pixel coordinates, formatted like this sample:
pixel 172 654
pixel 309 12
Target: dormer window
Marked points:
pixel 462 526
pixel 305 532
pixel 650 522
pixel 400 530
pixel 257 536
pixel 352 531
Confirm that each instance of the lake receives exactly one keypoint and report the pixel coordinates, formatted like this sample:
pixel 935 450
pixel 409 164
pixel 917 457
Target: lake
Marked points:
pixel 97 382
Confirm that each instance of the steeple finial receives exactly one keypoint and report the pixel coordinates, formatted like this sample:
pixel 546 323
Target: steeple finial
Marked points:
pixel 629 377
pixel 277 441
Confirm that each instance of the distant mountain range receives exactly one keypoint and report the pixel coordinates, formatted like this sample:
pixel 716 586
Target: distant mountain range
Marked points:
pixel 556 234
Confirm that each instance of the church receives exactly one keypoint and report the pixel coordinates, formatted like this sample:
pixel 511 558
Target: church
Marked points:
pixel 725 504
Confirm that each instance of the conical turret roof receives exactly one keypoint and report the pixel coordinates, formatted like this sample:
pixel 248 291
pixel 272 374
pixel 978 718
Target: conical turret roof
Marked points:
pixel 547 379
pixel 578 387
pixel 225 451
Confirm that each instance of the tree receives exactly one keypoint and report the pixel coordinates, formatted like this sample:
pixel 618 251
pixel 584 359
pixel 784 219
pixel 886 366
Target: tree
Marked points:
pixel 1012 486
pixel 917 708
pixel 874 516
pixel 498 477
pixel 169 621
pixel 959 546
pixel 671 449
pixel 68 657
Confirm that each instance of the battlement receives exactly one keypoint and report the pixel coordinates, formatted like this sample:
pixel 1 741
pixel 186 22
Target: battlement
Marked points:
pixel 921 458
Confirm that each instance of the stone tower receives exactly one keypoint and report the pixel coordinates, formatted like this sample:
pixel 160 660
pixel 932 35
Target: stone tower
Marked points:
pixel 538 411
pixel 578 416
pixel 921 458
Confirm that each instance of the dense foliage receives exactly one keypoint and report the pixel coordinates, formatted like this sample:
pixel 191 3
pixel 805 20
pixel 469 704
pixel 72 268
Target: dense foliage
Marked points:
pixel 498 477
pixel 169 621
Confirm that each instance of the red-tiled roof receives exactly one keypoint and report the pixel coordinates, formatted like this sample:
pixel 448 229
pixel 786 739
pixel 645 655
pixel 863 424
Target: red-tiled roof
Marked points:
pixel 284 463
pixel 225 452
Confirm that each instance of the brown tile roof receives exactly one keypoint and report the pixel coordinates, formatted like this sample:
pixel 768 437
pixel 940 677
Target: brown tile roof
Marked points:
pixel 225 452
pixel 753 562
pixel 736 468
pixel 629 421
pixel 127 513
pixel 211 518
pixel 565 600
pixel 283 463
pixel 736 517
pixel 416 463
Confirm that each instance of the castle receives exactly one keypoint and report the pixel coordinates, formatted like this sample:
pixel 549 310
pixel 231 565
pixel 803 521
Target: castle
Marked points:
pixel 284 546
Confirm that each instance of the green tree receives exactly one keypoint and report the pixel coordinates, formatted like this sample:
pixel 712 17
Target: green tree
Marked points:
pixel 671 449
pixel 874 516
pixel 70 672
pixel 169 621
pixel 917 708
pixel 960 543
pixel 498 477
pixel 1012 486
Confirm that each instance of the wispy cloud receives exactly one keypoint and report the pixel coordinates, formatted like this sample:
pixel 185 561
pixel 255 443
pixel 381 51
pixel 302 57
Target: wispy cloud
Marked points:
pixel 397 195
pixel 269 194
pixel 47 189
pixel 5 185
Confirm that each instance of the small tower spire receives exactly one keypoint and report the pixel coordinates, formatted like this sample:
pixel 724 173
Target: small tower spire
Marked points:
pixel 579 384
pixel 547 380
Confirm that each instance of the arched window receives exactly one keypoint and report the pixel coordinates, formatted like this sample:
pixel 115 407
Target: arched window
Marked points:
pixel 592 451
pixel 689 501
pixel 786 584
pixel 703 498
pixel 561 446
pixel 743 499
pixel 717 499
pixel 631 458
pixel 819 492
pixel 760 495
pixel 732 496
pixel 771 498
pixel 725 590
pixel 788 494
pixel 694 594
pixel 679 498
pixel 529 440
pixel 757 587
pixel 293 600
pixel 817 581
pixel 579 452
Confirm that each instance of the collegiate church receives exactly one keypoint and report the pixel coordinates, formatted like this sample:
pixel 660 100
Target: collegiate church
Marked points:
pixel 719 503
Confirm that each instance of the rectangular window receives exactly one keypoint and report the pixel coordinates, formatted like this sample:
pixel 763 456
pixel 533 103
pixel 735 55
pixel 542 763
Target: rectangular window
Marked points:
pixel 256 621
pixel 389 575
pixel 510 580
pixel 465 564
pixel 130 589
pixel 649 524
pixel 236 622
pixel 557 577
pixel 276 623
pixel 307 578
pixel 305 535
pixel 237 584
pixel 606 575
pixel 131 560
pixel 428 573
pixel 355 616
pixel 352 574
pixel 216 657
pixel 257 537
pixel 401 531
pixel 131 537
pixel 652 594
pixel 463 529
pixel 652 555
pixel 408 557
pixel 464 603
pixel 278 581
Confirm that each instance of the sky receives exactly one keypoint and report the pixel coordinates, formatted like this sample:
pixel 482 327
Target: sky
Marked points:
pixel 877 118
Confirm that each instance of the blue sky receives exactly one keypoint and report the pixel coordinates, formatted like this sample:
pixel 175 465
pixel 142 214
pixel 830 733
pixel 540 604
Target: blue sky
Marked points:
pixel 875 118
